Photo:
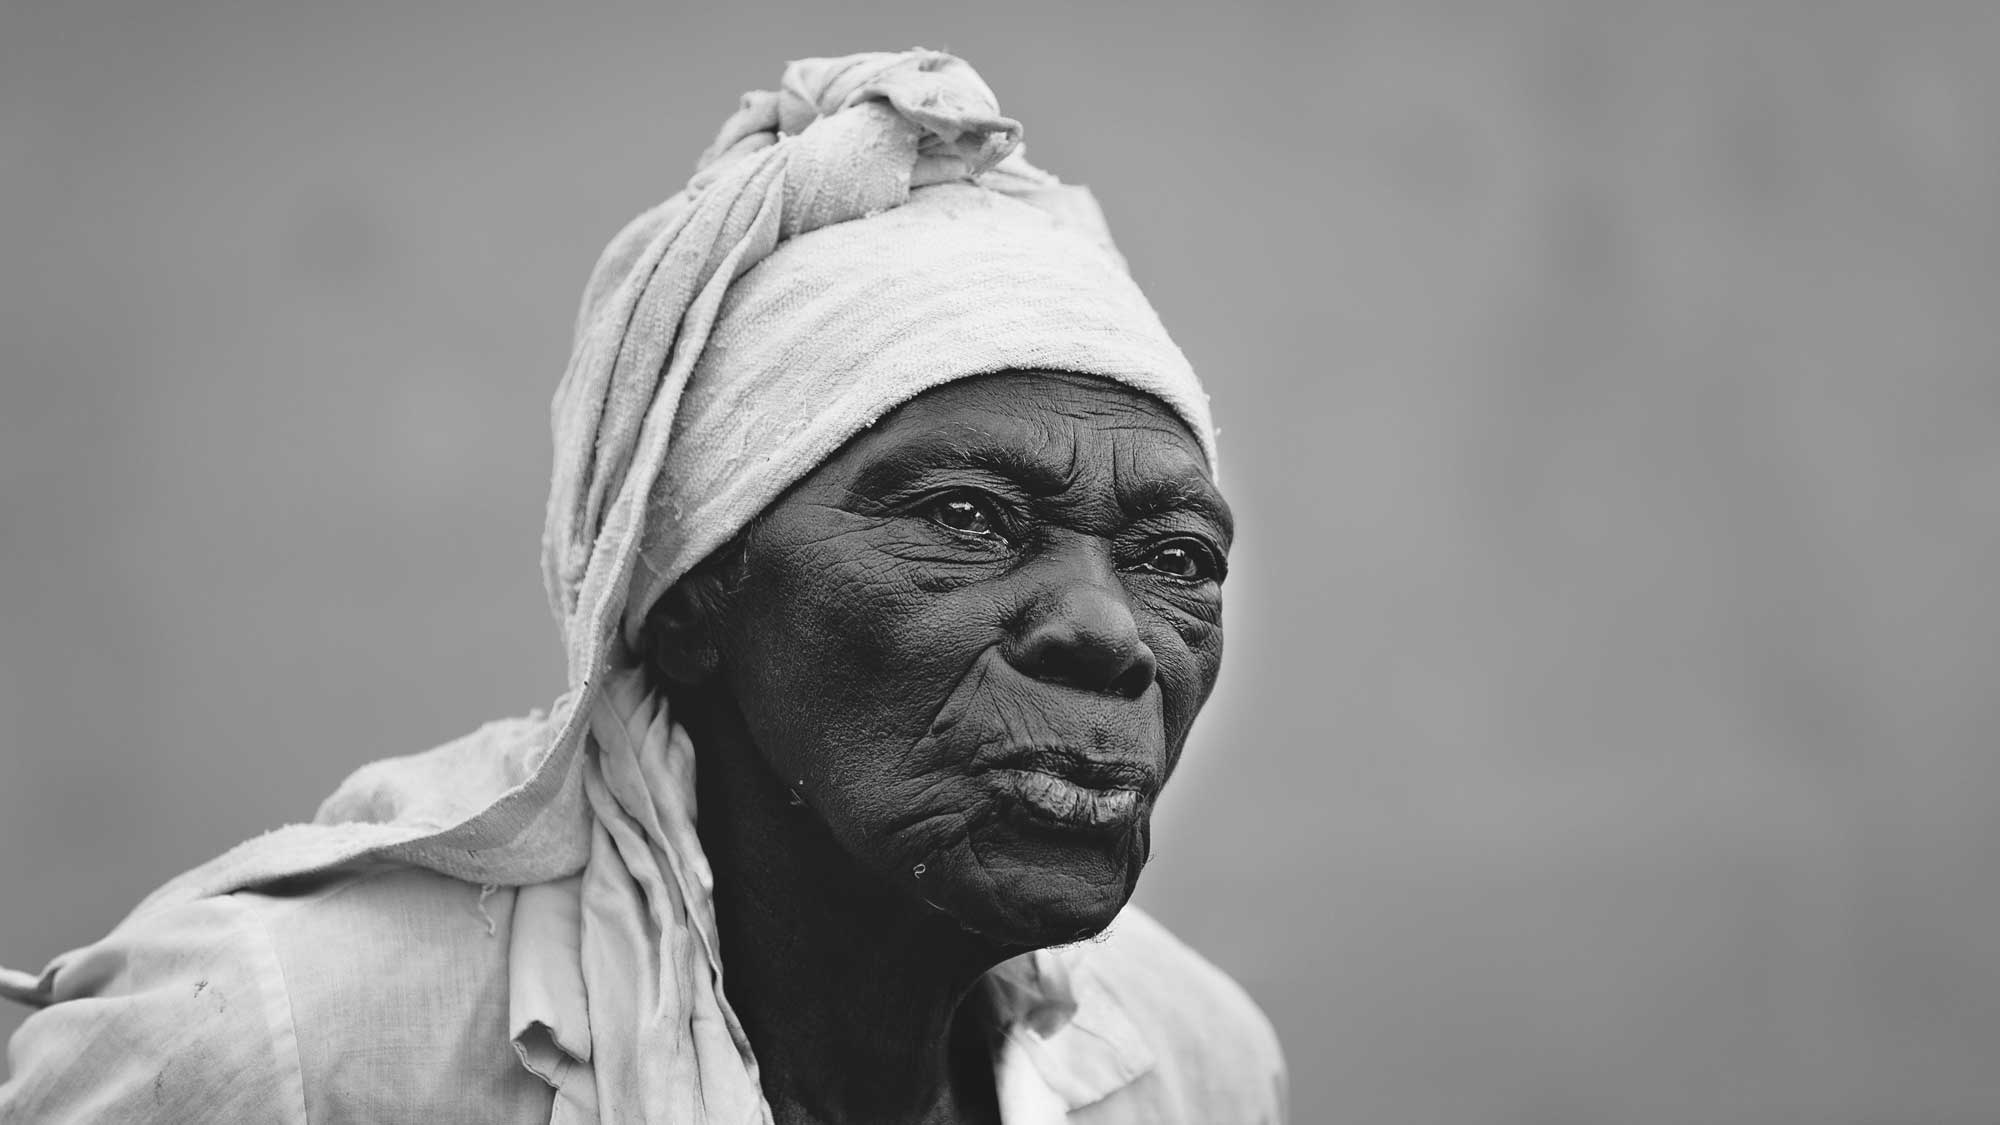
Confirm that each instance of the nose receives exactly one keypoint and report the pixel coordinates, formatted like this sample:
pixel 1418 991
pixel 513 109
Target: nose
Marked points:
pixel 1079 631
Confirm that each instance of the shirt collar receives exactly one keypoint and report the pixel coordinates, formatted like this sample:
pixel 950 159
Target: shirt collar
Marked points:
pixel 1056 1009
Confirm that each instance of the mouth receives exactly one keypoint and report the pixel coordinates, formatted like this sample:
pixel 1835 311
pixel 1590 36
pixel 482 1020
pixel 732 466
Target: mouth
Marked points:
pixel 1071 790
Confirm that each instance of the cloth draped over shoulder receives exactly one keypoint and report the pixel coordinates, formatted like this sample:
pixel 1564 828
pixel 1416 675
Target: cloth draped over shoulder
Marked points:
pixel 867 231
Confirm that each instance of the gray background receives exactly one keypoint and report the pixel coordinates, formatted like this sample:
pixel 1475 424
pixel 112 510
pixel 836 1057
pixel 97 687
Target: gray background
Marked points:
pixel 1608 393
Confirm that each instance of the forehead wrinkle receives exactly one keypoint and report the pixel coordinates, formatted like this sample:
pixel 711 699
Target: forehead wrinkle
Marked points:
pixel 1062 438
pixel 1154 471
pixel 1150 496
pixel 1130 423
pixel 1161 489
pixel 958 443
pixel 1161 470
pixel 1051 451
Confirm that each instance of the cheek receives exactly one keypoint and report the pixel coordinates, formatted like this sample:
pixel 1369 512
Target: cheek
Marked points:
pixel 843 657
pixel 1188 649
pixel 843 653
pixel 953 832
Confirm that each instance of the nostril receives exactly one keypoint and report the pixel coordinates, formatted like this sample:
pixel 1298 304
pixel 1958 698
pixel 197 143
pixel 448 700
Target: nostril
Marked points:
pixel 1137 676
pixel 1086 639
pixel 1116 670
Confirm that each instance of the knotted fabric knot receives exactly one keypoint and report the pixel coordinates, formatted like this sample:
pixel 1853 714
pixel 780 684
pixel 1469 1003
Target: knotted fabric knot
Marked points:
pixel 939 99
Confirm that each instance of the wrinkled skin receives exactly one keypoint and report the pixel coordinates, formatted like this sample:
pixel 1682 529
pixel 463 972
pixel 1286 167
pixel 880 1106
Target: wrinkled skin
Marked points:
pixel 963 635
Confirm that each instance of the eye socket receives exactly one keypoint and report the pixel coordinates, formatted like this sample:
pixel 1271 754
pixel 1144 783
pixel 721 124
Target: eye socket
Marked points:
pixel 965 514
pixel 1183 559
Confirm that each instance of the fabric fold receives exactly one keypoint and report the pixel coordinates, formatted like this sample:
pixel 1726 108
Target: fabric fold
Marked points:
pixel 650 954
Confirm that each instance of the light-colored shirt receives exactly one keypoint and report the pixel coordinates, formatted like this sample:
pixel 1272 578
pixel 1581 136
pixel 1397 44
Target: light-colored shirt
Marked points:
pixel 390 995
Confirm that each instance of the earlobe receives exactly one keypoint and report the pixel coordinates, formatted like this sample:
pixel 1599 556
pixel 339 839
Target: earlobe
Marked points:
pixel 678 640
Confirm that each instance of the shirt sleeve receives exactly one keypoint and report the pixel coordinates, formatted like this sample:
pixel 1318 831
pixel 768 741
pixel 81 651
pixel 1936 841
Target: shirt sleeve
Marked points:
pixel 180 1014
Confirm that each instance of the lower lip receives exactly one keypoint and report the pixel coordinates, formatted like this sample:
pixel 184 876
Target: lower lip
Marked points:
pixel 1063 801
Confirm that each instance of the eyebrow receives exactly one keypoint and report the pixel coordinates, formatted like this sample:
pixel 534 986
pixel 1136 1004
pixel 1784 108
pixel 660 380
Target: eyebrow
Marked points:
pixel 958 448
pixel 1181 492
pixel 968 448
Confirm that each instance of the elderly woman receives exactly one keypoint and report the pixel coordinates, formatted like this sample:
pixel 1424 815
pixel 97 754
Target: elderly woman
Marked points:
pixel 884 533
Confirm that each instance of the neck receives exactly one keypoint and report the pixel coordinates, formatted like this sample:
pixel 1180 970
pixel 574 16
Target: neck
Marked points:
pixel 859 1003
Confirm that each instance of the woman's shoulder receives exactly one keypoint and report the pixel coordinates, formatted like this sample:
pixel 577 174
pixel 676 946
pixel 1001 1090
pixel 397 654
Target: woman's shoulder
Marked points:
pixel 398 981
pixel 372 995
pixel 1212 1045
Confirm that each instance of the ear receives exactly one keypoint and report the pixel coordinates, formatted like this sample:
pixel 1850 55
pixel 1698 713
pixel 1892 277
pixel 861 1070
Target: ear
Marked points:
pixel 678 640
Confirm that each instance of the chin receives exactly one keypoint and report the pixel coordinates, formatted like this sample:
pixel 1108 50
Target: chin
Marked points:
pixel 1033 893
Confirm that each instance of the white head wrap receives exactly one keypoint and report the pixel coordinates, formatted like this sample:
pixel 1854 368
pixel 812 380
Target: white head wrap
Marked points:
pixel 864 234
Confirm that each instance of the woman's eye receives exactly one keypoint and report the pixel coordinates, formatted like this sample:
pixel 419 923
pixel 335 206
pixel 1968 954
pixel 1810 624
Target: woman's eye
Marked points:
pixel 965 516
pixel 1188 562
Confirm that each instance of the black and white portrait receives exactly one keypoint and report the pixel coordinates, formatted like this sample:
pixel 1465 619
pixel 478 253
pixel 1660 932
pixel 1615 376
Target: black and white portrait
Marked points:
pixel 672 564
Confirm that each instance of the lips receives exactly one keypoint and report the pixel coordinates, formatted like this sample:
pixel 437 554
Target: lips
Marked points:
pixel 1061 758
pixel 1076 790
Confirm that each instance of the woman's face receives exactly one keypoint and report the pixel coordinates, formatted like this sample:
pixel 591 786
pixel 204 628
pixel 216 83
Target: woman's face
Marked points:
pixel 975 638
